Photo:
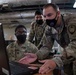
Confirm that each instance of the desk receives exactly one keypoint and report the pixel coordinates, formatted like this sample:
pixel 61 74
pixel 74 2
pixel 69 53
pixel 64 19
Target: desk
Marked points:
pixel 50 73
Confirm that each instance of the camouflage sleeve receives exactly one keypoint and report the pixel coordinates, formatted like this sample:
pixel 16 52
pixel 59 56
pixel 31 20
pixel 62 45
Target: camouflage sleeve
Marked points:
pixel 58 61
pixel 71 49
pixel 32 48
pixel 44 52
pixel 32 33
pixel 9 49
pixel 47 46
pixel 41 42
pixel 69 55
pixel 48 42
pixel 71 28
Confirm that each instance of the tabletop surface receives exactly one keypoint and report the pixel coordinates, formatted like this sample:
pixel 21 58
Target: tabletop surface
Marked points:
pixel 50 73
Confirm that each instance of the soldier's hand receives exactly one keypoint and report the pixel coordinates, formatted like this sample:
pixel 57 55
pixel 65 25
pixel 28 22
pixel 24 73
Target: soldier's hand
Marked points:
pixel 49 65
pixel 29 58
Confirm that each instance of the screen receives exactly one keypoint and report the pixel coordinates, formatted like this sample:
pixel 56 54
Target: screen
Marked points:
pixel 4 65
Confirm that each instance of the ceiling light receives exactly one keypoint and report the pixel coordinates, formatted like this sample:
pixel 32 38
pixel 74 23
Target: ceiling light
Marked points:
pixel 5 5
pixel 0 23
pixel 49 1
pixel 74 6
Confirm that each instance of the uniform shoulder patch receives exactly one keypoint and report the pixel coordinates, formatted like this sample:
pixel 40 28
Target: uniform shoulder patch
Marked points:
pixel 71 29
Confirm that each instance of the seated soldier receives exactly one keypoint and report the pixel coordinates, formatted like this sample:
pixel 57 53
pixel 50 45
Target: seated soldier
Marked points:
pixel 17 49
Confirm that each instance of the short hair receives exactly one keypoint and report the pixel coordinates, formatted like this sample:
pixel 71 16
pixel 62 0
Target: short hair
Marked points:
pixel 54 6
pixel 38 12
pixel 20 26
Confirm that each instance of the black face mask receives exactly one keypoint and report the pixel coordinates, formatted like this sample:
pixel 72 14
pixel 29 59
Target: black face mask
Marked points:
pixel 51 22
pixel 39 22
pixel 21 38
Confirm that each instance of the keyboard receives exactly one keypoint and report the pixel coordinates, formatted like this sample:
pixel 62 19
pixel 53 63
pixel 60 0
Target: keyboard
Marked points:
pixel 21 69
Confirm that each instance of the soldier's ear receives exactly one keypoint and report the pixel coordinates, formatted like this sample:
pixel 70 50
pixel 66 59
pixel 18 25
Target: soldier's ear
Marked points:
pixel 58 13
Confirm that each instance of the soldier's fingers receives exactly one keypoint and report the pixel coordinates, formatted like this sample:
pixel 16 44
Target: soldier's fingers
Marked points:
pixel 42 61
pixel 45 70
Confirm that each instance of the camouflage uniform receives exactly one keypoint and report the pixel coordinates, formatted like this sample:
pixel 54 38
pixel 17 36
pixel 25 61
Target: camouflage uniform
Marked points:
pixel 62 38
pixel 36 33
pixel 71 48
pixel 16 52
pixel 51 34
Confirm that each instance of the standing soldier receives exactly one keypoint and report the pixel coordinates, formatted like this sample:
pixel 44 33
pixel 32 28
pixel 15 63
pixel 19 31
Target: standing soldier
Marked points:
pixel 71 48
pixel 59 29
pixel 37 29
pixel 56 30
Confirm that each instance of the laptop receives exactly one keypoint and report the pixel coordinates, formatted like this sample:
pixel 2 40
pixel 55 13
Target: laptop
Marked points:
pixel 11 68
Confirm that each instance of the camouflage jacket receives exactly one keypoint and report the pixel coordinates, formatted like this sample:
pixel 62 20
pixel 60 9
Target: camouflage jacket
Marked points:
pixel 69 57
pixel 36 32
pixel 58 34
pixel 71 28
pixel 16 52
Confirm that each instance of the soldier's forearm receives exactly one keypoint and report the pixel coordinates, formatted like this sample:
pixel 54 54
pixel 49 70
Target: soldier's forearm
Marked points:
pixel 43 53
pixel 58 61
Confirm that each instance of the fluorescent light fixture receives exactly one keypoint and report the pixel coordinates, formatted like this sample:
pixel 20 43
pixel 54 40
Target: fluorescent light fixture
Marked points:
pixel 49 1
pixel 5 5
pixel 74 6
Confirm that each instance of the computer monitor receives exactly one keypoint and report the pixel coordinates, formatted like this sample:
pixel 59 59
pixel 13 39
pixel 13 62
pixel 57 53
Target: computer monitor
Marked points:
pixel 4 65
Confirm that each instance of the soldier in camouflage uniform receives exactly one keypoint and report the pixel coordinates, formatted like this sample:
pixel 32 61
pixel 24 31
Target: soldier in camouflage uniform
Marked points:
pixel 17 49
pixel 71 48
pixel 37 29
pixel 55 31
pixel 58 29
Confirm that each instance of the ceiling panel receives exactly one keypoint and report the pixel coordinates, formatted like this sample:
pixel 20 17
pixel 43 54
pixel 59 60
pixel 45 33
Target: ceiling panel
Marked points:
pixel 24 2
pixel 15 15
pixel 17 10
pixel 62 1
